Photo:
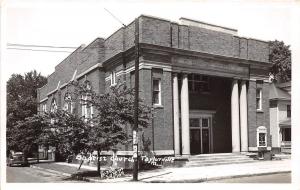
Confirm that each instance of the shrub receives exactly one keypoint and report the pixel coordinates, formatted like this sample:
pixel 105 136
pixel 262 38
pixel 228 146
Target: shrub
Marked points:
pixel 112 173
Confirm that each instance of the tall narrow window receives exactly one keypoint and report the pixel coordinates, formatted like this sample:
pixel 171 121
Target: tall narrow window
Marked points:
pixel 288 110
pixel 53 109
pixel 156 99
pixel 87 110
pixel 258 99
pixel 68 103
pixel 113 78
pixel 83 105
pixel 86 105
pixel 53 106
pixel 44 107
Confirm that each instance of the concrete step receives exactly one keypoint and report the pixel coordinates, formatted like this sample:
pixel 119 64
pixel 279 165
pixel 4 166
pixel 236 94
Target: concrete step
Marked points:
pixel 189 164
pixel 218 154
pixel 217 157
pixel 220 160
pixel 286 150
pixel 282 156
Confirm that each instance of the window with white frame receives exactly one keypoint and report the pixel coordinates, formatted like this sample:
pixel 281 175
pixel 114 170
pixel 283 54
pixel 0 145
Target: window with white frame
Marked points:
pixel 44 107
pixel 199 83
pixel 87 110
pixel 258 99
pixel 86 105
pixel 113 80
pixel 261 136
pixel 156 95
pixel 68 103
pixel 53 107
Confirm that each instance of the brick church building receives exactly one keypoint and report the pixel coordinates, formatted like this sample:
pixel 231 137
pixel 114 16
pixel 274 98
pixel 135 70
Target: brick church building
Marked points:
pixel 208 86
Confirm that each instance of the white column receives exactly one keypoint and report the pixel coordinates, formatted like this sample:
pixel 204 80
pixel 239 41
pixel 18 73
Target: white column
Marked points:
pixel 176 114
pixel 244 117
pixel 185 118
pixel 235 130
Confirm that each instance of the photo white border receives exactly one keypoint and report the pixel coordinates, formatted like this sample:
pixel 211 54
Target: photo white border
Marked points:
pixel 295 110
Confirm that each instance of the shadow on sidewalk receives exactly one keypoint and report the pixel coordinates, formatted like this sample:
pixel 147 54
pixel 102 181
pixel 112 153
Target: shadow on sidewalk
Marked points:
pixel 83 176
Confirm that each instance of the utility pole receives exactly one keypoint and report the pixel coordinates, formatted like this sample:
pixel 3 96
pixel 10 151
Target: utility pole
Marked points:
pixel 136 102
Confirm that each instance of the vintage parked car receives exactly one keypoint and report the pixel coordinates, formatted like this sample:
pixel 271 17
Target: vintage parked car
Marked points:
pixel 16 158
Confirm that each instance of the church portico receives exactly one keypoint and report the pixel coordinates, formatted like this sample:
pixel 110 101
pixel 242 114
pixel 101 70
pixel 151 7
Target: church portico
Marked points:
pixel 209 114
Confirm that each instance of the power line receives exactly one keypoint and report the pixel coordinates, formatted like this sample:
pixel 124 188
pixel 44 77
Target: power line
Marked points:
pixel 115 17
pixel 40 46
pixel 29 49
pixel 39 50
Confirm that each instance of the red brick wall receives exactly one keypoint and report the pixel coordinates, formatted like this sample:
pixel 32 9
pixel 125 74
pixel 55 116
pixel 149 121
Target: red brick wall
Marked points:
pixel 162 32
pixel 258 118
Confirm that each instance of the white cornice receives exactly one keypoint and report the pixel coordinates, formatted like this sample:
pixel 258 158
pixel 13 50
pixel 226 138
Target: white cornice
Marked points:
pixel 43 100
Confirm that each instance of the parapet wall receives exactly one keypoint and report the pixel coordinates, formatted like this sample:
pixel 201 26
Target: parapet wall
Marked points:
pixel 160 32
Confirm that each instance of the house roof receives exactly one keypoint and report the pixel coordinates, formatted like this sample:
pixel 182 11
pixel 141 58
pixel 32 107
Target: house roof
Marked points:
pixel 278 94
pixel 285 123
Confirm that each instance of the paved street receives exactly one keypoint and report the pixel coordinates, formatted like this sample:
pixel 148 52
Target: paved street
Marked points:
pixel 259 172
pixel 33 175
pixel 273 178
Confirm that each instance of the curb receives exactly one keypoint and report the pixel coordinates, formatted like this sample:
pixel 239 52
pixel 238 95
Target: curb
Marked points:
pixel 215 178
pixel 247 175
pixel 161 181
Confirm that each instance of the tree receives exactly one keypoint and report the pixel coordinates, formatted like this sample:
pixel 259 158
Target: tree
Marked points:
pixel 114 111
pixel 21 102
pixel 280 57
pixel 65 131
pixel 25 134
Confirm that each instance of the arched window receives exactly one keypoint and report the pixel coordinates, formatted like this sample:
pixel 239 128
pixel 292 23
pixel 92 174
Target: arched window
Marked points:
pixel 87 110
pixel 53 107
pixel 88 85
pixel 68 105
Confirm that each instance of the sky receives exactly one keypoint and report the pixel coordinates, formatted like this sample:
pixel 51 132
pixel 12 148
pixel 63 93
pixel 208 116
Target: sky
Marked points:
pixel 66 23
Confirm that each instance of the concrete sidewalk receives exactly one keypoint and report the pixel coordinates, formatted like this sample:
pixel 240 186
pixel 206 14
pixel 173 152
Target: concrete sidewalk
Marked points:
pixel 201 174
pixel 190 174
